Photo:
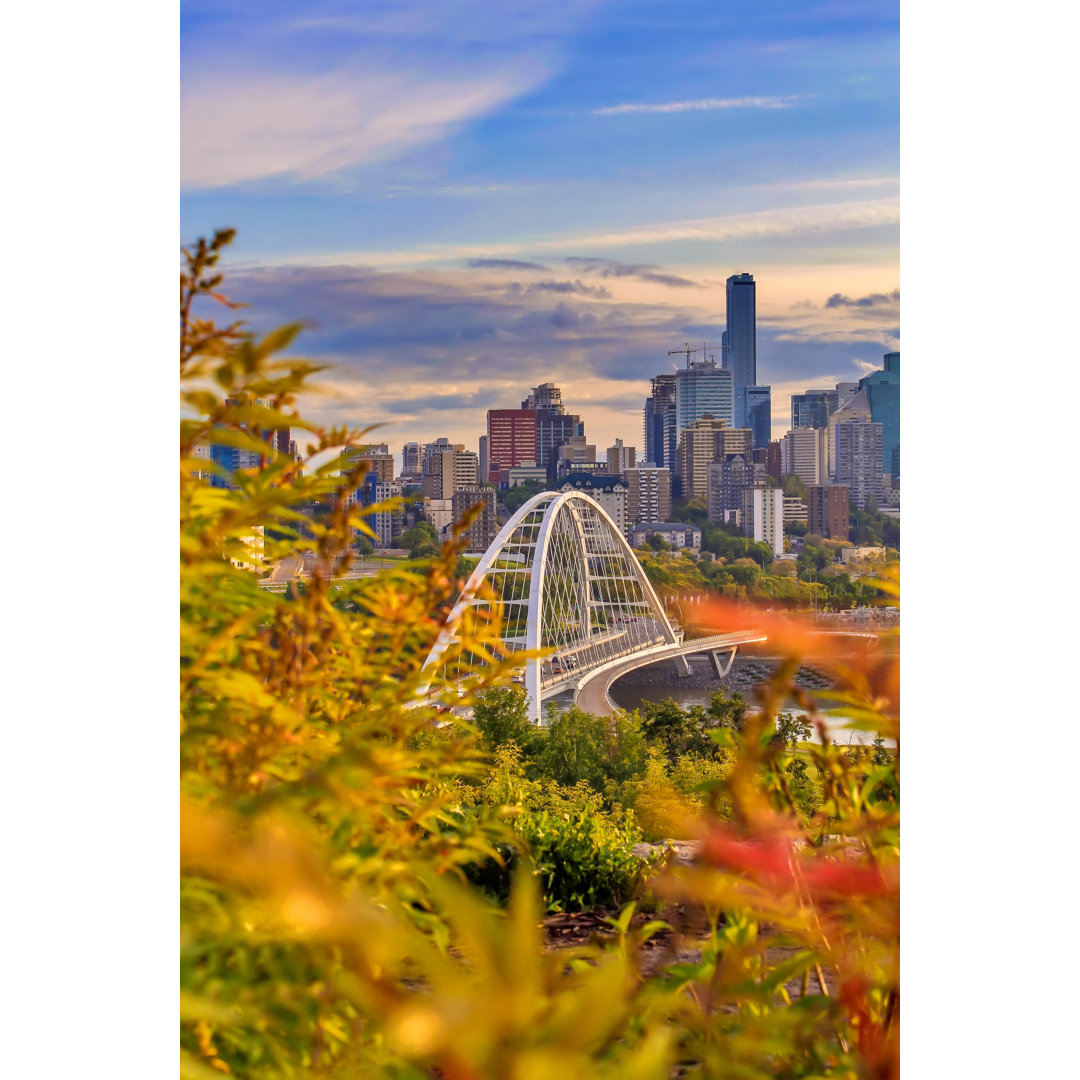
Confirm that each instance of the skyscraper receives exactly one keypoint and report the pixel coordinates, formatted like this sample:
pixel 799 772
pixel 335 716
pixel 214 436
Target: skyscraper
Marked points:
pixel 702 389
pixel 740 339
pixel 660 426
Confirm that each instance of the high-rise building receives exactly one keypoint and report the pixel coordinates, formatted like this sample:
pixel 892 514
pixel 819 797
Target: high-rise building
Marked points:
pixel 484 467
pixel 511 435
pixel 388 524
pixel 855 407
pixel 762 517
pixel 740 340
pixel 483 529
pixel 882 389
pixel 726 479
pixel 233 459
pixel 805 454
pixel 450 469
pixel 660 422
pixel 892 363
pixel 857 455
pixel 704 441
pixel 648 497
pixel 702 389
pixel 828 513
pixel 410 459
pixel 759 413
pixel 620 458
pixel 812 408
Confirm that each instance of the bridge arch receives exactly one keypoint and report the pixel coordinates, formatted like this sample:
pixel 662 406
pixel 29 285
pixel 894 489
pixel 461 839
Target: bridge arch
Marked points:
pixel 569 582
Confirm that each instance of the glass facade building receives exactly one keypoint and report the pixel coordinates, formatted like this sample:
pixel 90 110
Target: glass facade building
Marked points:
pixel 740 340
pixel 882 389
pixel 812 408
pixel 759 414
pixel 702 389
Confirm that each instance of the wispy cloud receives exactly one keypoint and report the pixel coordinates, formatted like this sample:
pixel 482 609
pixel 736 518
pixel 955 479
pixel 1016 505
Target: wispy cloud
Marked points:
pixel 609 268
pixel 503 264
pixel 761 224
pixel 240 128
pixel 701 105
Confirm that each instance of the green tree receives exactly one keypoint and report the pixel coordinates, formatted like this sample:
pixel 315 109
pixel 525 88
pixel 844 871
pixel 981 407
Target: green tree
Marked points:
pixel 592 748
pixel 501 716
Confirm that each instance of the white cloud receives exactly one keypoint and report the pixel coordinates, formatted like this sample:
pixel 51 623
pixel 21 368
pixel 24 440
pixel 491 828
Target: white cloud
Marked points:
pixel 241 128
pixel 702 105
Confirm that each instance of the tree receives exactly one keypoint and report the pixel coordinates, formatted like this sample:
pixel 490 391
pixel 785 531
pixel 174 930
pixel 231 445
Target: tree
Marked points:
pixel 794 487
pixel 596 749
pixel 501 715
pixel 421 540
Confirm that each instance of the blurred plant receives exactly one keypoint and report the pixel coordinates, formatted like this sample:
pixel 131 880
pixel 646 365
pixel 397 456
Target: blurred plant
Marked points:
pixel 327 924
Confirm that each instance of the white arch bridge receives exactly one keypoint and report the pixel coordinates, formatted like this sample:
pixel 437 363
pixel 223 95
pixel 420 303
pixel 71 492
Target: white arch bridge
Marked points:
pixel 569 582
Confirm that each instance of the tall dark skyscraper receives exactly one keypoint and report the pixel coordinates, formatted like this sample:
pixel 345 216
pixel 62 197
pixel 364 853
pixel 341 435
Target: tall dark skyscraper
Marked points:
pixel 740 339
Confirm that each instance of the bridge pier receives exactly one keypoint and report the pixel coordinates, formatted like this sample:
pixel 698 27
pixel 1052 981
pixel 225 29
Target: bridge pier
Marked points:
pixel 719 666
pixel 683 664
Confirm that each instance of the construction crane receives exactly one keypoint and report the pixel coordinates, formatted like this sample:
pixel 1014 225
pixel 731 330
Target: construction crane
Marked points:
pixel 688 351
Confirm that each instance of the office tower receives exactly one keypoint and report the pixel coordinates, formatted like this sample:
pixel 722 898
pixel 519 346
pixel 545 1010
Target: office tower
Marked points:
pixel 882 389
pixel 812 408
pixel 703 442
pixel 805 454
pixel 511 435
pixel 410 460
pixel 620 458
pixel 857 456
pixel 759 413
pixel 740 339
pixel 762 516
pixel 660 426
pixel 555 429
pixel 855 408
pixel 483 529
pixel 611 492
pixel 648 497
pixel 545 396
pixel 828 513
pixel 484 466
pixel 892 363
pixel 702 389
pixel 726 479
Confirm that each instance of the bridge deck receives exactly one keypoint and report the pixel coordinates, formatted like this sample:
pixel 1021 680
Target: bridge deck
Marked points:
pixel 591 692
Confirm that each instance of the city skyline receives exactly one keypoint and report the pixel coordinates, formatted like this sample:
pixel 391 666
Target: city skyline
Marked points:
pixel 466 201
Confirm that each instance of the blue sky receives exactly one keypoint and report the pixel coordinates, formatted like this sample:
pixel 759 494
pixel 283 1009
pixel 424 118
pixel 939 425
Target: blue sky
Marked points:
pixel 466 199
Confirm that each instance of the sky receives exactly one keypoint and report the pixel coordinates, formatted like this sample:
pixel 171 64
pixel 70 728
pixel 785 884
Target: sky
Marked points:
pixel 463 200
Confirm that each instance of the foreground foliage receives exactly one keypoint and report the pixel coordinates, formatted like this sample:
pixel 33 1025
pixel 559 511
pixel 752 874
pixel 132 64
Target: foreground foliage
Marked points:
pixel 362 889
